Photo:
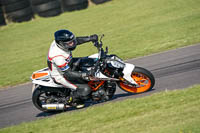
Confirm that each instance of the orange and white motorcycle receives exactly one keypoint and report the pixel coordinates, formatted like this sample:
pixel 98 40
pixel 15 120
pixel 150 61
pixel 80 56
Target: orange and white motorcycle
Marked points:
pixel 110 71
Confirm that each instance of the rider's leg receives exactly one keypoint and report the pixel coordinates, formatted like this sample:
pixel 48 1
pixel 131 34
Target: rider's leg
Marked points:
pixel 79 88
pixel 61 80
pixel 80 95
pixel 83 91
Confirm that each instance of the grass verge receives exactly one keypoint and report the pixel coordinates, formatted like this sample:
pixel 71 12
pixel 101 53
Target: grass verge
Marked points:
pixel 166 112
pixel 132 28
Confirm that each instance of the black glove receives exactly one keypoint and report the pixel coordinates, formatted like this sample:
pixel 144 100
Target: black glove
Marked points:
pixel 86 75
pixel 94 38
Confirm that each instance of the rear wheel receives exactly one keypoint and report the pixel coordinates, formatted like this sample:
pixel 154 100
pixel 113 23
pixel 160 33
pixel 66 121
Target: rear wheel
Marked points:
pixel 143 78
pixel 37 101
pixel 42 95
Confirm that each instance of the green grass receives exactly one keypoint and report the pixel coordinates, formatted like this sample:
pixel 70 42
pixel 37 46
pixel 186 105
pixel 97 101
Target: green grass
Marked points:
pixel 132 28
pixel 166 112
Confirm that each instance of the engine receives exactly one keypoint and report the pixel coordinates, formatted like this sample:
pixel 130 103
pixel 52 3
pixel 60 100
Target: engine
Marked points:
pixel 105 92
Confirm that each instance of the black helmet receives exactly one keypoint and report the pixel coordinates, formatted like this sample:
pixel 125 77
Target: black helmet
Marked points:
pixel 65 40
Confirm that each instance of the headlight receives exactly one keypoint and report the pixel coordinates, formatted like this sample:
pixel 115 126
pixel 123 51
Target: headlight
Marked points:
pixel 116 64
pixel 117 58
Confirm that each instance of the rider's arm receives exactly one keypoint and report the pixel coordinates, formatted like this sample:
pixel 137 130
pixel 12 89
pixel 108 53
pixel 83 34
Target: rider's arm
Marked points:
pixel 84 39
pixel 64 66
pixel 74 75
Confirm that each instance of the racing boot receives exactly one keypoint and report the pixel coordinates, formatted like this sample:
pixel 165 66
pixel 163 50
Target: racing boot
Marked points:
pixel 80 104
pixel 75 100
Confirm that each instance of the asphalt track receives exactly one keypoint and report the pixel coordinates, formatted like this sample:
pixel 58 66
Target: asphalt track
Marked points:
pixel 174 69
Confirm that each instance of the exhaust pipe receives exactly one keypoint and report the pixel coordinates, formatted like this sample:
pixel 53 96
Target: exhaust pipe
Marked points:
pixel 54 106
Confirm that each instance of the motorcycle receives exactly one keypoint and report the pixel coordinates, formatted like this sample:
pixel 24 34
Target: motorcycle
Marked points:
pixel 110 72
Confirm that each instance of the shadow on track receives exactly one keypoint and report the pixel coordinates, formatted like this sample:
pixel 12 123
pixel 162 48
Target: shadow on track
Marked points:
pixel 116 97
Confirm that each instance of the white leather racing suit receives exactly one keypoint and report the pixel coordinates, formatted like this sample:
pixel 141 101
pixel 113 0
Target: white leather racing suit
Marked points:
pixel 58 61
pixel 61 66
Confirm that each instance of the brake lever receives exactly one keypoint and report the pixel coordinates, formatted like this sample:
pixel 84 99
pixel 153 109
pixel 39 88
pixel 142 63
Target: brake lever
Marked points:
pixel 94 79
pixel 101 38
pixel 96 44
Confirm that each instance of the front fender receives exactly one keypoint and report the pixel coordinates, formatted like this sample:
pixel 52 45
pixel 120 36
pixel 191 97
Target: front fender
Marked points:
pixel 127 71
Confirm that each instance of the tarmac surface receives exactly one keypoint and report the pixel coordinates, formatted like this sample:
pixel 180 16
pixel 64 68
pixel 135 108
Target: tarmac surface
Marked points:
pixel 174 69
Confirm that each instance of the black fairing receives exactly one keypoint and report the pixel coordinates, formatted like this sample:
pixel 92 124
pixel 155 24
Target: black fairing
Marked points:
pixel 109 70
pixel 85 63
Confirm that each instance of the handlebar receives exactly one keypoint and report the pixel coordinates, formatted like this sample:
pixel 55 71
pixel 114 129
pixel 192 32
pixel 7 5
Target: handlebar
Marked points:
pixel 101 53
pixel 96 44
pixel 99 43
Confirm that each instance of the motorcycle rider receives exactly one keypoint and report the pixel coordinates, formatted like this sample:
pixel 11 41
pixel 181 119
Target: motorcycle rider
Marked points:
pixel 60 63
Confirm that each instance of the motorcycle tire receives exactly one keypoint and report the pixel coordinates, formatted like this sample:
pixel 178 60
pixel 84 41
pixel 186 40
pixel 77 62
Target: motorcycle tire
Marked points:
pixel 2 19
pixel 143 78
pixel 35 97
pixel 99 1
pixel 73 2
pixel 7 2
pixel 46 6
pixel 24 19
pixel 50 13
pixel 16 6
pixel 38 2
pixel 25 14
pixel 37 94
pixel 72 5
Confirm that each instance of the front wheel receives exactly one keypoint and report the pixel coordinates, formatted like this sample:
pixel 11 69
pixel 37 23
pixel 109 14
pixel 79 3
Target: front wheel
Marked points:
pixel 144 79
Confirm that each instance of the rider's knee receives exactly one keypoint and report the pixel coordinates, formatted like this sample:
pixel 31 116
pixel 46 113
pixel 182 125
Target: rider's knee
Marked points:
pixel 84 91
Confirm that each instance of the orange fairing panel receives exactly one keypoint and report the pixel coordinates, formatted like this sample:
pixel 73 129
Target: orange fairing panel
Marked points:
pixel 39 75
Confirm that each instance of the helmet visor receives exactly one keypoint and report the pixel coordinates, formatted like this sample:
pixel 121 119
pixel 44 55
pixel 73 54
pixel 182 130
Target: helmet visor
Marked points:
pixel 69 44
